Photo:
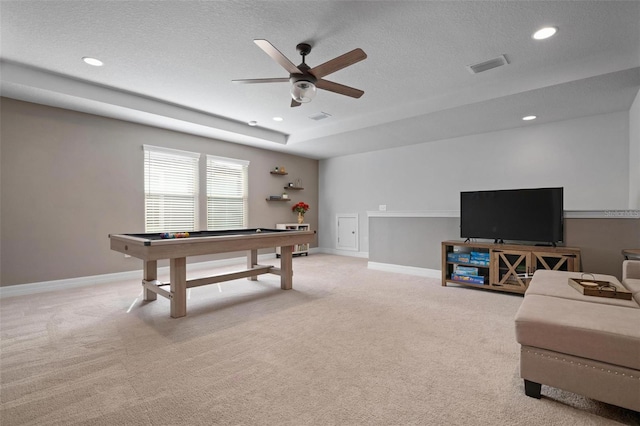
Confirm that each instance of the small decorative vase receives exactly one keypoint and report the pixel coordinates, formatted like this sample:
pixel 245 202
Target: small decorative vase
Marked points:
pixel 300 217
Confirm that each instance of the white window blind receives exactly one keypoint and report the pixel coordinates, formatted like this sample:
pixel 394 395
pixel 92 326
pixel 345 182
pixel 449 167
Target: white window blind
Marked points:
pixel 170 189
pixel 227 193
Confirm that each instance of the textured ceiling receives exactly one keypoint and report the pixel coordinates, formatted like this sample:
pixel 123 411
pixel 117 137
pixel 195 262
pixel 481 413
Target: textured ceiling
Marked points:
pixel 170 64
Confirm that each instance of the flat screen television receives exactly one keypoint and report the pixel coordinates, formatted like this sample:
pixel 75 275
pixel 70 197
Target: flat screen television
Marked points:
pixel 528 215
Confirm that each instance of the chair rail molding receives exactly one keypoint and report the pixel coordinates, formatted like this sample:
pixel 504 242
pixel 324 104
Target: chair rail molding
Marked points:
pixel 568 214
pixel 425 213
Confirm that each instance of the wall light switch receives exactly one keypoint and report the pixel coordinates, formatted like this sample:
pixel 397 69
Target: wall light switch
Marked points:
pixel 382 207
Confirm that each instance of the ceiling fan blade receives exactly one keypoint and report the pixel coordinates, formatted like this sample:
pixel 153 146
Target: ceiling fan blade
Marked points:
pixel 294 103
pixel 277 56
pixel 261 80
pixel 335 64
pixel 339 88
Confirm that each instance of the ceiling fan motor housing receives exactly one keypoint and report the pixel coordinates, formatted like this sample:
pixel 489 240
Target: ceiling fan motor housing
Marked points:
pixel 304 76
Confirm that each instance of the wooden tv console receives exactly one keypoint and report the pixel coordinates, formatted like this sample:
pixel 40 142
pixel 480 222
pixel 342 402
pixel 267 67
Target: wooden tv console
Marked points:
pixel 509 267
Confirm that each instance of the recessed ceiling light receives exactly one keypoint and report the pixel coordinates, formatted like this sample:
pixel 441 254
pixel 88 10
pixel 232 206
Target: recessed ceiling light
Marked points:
pixel 278 119
pixel 545 32
pixel 93 61
pixel 529 117
pixel 252 123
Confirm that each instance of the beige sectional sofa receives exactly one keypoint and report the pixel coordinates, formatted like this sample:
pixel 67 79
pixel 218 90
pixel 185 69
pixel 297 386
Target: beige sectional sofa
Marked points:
pixel 583 344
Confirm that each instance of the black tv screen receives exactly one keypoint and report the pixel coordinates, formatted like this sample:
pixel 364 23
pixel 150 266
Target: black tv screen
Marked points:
pixel 534 215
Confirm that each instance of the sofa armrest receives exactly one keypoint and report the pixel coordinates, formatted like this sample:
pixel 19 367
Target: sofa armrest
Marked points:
pixel 631 278
pixel 631 269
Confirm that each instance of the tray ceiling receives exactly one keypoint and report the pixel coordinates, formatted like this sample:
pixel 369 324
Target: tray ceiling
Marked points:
pixel 170 64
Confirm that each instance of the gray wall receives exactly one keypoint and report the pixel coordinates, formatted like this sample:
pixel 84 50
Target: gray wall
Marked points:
pixel 69 179
pixel 588 156
pixel 601 242
pixel 410 241
pixel 415 241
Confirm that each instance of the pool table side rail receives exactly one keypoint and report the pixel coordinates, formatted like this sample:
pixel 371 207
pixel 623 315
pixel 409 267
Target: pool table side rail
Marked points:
pixel 154 236
pixel 184 247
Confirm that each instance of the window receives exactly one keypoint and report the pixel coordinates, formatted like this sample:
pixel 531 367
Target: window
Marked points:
pixel 227 193
pixel 170 189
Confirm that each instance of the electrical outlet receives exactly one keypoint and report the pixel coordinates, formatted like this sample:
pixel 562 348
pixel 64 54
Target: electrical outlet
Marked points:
pixel 382 207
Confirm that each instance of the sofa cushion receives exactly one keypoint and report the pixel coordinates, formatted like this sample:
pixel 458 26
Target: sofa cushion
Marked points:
pixel 556 284
pixel 594 331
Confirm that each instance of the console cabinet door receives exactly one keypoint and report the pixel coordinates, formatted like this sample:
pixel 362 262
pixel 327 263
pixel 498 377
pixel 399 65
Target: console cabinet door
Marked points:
pixel 554 261
pixel 511 270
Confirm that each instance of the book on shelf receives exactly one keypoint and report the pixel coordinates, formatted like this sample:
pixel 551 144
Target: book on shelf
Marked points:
pixel 458 257
pixel 466 270
pixel 474 279
pixel 480 255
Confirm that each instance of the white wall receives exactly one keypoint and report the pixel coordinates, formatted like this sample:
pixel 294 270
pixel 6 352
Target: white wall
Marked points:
pixel 634 154
pixel 587 156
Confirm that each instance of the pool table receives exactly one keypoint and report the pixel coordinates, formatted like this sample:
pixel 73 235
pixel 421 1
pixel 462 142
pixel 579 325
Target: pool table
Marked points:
pixel 152 247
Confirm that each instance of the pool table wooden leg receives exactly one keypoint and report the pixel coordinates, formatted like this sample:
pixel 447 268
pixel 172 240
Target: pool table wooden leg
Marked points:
pixel 252 260
pixel 286 267
pixel 150 274
pixel 178 272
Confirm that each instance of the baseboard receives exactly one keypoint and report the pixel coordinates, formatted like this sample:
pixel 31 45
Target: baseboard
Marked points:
pixel 409 270
pixel 68 283
pixel 45 286
pixel 361 254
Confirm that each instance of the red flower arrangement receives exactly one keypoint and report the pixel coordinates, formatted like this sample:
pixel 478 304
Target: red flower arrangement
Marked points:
pixel 300 207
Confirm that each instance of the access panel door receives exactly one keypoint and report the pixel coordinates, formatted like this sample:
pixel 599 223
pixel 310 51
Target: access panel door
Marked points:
pixel 347 232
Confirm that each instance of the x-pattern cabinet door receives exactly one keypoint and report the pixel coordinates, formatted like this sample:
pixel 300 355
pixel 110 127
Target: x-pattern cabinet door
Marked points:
pixel 511 268
pixel 554 261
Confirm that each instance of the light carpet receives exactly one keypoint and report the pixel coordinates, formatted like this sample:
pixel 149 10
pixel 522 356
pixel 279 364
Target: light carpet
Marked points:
pixel 346 346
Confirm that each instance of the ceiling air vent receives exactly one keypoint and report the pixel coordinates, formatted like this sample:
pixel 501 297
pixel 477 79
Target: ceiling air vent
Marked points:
pixel 487 65
pixel 319 116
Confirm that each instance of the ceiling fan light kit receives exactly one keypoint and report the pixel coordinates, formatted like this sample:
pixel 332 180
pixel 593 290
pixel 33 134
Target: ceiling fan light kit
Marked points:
pixel 305 80
pixel 303 91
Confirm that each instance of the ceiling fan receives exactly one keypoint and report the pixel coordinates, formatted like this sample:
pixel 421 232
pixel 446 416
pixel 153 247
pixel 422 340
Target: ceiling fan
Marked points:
pixel 304 79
